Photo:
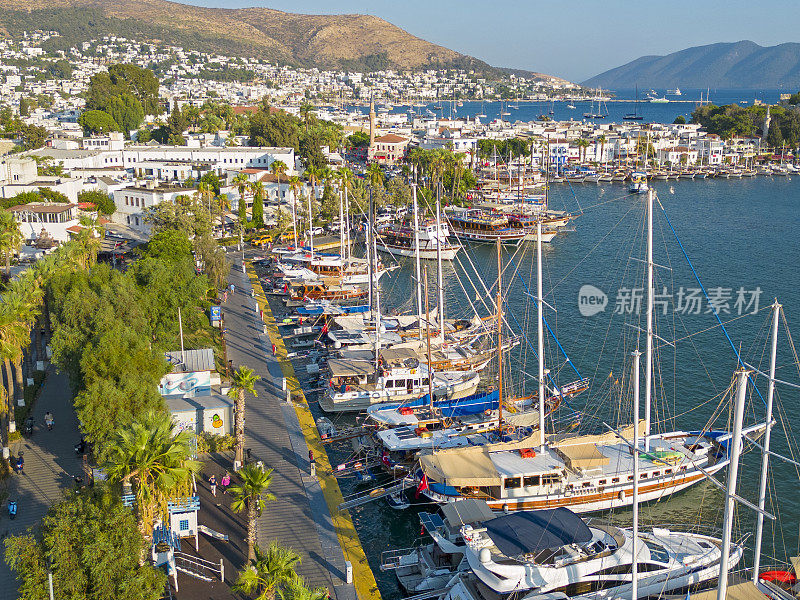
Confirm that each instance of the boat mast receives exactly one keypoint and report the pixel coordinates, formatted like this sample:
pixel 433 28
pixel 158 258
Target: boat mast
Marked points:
pixel 428 337
pixel 341 228
pixel 439 276
pixel 369 248
pixel 540 328
pixel 375 282
pixel 294 214
pixel 635 454
pixel 499 340
pixel 733 473
pixel 347 215
pixel 648 376
pixel 417 269
pixel 762 490
pixel 311 223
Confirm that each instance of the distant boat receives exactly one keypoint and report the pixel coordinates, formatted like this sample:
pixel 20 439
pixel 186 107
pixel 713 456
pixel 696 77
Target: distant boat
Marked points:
pixel 657 100
pixel 675 92
pixel 634 116
pixel 571 106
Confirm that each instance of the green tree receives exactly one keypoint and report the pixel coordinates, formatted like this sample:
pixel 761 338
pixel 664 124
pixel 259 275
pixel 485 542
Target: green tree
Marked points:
pixel 268 572
pixel 243 382
pixel 97 121
pixel 10 238
pixel 104 203
pixel 155 462
pixel 258 204
pixel 127 112
pixel 123 79
pixel 679 120
pixel 774 137
pixel 296 589
pixel 90 545
pixel 171 245
pixel 359 139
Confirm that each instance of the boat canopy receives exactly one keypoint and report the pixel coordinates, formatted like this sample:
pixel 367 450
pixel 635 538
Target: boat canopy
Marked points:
pixel 582 457
pixel 348 368
pixel 469 467
pixel 468 510
pixel 530 532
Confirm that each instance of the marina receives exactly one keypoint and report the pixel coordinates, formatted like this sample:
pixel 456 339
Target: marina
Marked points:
pixel 380 524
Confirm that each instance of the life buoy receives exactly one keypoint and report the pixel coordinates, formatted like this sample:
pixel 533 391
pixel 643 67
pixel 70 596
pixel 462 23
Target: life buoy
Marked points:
pixel 621 496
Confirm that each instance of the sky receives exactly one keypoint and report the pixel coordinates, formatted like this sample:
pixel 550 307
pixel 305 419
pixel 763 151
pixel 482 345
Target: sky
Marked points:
pixel 574 39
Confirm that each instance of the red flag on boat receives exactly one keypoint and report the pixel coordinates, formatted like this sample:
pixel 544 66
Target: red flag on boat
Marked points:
pixel 423 485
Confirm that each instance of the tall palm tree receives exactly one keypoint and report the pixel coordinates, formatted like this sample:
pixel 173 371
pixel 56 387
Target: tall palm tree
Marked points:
pixel 243 382
pixel 307 112
pixel 602 139
pixel 294 184
pixel 296 589
pixel 252 495
pixel 10 237
pixel 268 572
pixel 312 173
pixel 242 183
pixel 155 461
pixel 278 168
pixel 375 175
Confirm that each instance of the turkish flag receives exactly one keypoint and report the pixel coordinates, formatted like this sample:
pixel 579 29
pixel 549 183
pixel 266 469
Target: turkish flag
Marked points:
pixel 423 485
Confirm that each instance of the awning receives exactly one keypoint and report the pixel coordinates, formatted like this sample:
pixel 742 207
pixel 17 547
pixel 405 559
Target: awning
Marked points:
pixel 533 531
pixel 468 510
pixel 583 456
pixel 469 467
pixel 347 368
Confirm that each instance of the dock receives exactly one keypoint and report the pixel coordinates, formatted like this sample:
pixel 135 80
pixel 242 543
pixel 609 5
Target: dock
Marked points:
pixel 305 515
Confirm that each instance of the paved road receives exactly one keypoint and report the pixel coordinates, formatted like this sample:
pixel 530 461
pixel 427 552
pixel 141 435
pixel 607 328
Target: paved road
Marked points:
pixel 50 464
pixel 299 518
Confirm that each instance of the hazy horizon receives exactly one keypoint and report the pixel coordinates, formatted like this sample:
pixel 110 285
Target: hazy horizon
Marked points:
pixel 576 41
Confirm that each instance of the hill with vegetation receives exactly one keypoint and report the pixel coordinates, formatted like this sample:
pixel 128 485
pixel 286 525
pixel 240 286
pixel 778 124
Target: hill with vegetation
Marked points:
pixel 737 65
pixel 357 42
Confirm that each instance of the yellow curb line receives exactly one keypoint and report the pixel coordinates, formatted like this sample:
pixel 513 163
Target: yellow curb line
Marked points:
pixel 363 578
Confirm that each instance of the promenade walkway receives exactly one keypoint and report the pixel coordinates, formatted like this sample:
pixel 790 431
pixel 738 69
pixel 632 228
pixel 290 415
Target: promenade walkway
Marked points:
pixel 50 464
pixel 299 518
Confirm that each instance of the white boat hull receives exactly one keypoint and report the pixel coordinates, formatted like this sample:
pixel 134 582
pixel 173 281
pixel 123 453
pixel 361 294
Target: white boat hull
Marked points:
pixel 448 253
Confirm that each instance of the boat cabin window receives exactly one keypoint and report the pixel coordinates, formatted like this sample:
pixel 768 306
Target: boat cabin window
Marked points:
pixel 512 483
pixel 425 381
pixel 656 473
pixel 389 383
pixel 551 479
pixel 657 552
pixel 530 480
pixel 667 471
pixel 642 475
pixel 630 477
pixel 601 482
pixel 615 480
pixel 586 484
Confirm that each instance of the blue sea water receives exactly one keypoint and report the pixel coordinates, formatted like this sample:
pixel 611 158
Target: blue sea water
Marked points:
pixel 624 103
pixel 738 234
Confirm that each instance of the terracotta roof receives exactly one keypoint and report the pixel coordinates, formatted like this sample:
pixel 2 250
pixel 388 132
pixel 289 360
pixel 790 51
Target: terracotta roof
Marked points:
pixel 75 228
pixel 391 138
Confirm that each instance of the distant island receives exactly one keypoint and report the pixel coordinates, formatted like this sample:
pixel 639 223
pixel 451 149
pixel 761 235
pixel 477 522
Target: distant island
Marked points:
pixel 737 65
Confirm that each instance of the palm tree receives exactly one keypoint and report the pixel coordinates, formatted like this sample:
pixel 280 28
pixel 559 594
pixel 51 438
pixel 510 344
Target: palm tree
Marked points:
pixel 154 461
pixel 312 173
pixel 268 572
pixel 602 139
pixel 294 185
pixel 224 204
pixel 278 168
pixel 375 175
pixel 307 112
pixel 10 237
pixel 296 589
pixel 243 381
pixel 582 145
pixel 252 495
pixel 242 183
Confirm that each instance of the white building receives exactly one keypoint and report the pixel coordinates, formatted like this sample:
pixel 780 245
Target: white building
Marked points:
pixel 131 202
pixel 59 221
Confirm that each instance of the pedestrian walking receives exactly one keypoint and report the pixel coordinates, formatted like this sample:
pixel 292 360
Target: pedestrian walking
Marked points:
pixel 274 349
pixel 312 463
pixel 226 481
pixel 212 481
pixel 19 465
pixel 48 420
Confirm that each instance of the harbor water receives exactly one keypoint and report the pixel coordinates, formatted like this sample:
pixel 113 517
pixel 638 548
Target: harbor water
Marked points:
pixel 740 236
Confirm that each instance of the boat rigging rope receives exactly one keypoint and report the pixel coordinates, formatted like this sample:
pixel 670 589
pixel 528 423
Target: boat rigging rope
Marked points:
pixel 705 293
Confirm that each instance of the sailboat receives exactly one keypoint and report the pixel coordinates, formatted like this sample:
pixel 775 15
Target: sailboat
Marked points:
pixel 634 116
pixel 584 473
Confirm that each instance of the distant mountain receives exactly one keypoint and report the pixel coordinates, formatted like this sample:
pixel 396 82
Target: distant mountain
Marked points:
pixel 357 42
pixel 744 65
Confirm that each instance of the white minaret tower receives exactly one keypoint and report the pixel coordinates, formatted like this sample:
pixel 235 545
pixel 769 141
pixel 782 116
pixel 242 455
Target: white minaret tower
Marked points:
pixel 765 127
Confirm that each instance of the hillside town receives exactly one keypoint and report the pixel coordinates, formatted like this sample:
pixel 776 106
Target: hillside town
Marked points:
pixel 218 334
